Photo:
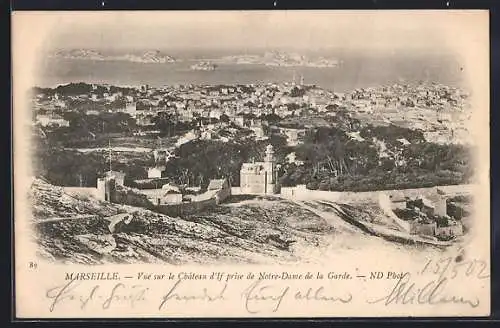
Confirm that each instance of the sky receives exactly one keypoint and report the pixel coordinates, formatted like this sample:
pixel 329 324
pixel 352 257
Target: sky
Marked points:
pixel 350 30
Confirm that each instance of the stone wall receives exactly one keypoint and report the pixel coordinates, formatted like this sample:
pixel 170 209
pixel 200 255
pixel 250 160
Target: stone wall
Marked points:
pixel 222 194
pixel 427 229
pixel 186 208
pixel 131 197
pixel 127 196
pixel 451 230
pixel 301 192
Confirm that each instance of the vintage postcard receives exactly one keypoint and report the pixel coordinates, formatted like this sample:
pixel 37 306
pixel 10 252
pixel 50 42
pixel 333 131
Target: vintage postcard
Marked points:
pixel 251 164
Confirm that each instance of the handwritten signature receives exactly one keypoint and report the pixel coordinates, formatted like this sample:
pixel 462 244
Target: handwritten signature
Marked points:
pixel 259 296
pixel 174 293
pixel 433 292
pixel 120 293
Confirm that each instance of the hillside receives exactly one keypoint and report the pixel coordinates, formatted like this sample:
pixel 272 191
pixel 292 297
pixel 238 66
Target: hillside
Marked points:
pixel 253 230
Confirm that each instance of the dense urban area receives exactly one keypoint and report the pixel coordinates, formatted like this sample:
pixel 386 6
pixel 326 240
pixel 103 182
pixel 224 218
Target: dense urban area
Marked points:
pixel 397 136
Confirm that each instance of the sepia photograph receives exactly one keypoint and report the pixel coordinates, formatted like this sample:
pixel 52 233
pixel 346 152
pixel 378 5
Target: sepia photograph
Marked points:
pixel 292 139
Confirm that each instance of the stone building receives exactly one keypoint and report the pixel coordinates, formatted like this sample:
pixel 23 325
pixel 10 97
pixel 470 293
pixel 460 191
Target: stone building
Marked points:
pixel 450 228
pixel 221 188
pixel 260 177
pixel 119 177
pixel 434 205
pixel 106 186
pixel 169 195
pixel 423 226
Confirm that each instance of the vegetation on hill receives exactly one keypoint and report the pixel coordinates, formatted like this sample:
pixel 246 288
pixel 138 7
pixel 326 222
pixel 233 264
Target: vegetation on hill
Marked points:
pixel 81 88
pixel 332 161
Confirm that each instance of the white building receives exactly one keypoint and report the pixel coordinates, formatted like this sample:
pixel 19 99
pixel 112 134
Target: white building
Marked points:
pixel 53 120
pixel 260 177
pixel 119 177
pixel 292 159
pixel 156 172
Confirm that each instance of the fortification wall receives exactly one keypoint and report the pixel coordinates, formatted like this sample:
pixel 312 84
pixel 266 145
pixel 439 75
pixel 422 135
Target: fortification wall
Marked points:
pixel 134 197
pixel 236 191
pixel 81 191
pixel 300 192
pixel 186 208
pixel 428 229
pixel 130 197
pixel 222 194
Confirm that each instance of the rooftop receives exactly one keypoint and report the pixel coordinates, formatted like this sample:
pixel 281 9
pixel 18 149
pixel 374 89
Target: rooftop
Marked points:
pixel 168 188
pixel 159 167
pixel 216 184
pixel 426 202
pixel 114 173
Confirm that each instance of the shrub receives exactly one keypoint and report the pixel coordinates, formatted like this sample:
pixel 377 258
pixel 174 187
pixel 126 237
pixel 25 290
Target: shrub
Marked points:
pixel 313 185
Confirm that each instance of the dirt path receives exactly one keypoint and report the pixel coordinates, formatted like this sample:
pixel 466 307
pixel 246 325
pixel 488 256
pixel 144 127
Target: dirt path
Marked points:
pixel 373 230
pixel 330 218
pixel 76 217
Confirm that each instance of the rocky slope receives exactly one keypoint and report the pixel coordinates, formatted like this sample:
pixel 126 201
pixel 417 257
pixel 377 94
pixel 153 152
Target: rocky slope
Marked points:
pixel 72 229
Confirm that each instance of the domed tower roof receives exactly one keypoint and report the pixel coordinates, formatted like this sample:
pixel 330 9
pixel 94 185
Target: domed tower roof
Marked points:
pixel 269 154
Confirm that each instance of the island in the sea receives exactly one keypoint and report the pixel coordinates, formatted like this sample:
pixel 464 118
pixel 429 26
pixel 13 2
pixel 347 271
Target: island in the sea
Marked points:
pixel 278 58
pixel 203 66
pixel 150 56
pixel 270 58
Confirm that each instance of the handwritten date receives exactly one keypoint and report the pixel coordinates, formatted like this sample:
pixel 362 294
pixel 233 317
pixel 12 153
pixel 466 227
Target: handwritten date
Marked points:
pixel 452 269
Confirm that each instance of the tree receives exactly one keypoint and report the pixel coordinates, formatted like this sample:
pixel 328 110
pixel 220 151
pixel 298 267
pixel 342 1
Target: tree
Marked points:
pixel 312 185
pixel 297 92
pixel 270 118
pixel 224 118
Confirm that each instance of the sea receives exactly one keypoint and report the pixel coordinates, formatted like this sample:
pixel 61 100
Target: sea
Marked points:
pixel 359 70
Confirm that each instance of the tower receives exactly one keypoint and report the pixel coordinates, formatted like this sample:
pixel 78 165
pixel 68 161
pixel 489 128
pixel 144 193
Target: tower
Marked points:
pixel 101 189
pixel 270 171
pixel 109 150
pixel 110 186
pixel 269 156
pixel 302 80
pixel 105 188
